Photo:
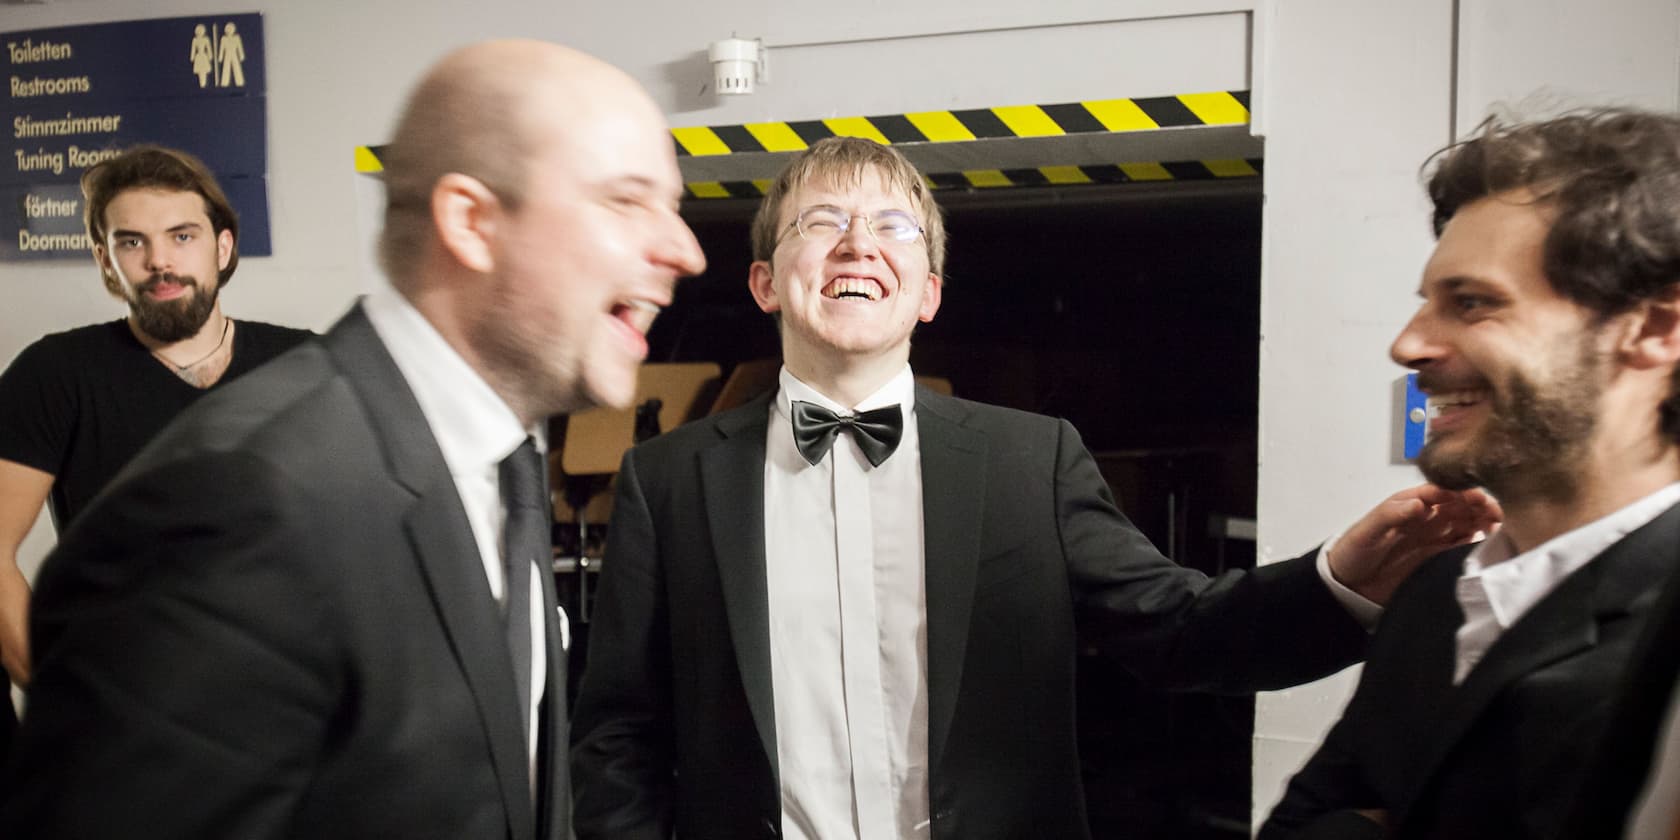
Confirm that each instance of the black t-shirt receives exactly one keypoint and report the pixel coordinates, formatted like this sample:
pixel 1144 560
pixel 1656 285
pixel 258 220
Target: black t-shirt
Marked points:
pixel 79 404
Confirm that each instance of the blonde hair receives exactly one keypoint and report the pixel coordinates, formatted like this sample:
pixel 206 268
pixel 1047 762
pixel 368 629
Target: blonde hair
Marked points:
pixel 837 160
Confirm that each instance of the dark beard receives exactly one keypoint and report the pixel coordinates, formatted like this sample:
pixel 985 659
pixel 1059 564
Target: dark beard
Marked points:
pixel 171 320
pixel 1532 439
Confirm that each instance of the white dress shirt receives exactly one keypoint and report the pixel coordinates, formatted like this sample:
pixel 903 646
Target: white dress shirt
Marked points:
pixel 848 627
pixel 475 430
pixel 1497 588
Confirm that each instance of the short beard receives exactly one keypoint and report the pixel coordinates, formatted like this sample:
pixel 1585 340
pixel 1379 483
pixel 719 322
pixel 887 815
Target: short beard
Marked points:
pixel 1535 435
pixel 171 320
pixel 523 365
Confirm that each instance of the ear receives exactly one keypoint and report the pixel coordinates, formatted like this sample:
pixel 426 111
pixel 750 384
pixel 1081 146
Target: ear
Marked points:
pixel 763 287
pixel 1652 337
pixel 102 258
pixel 107 271
pixel 464 215
pixel 224 248
pixel 931 295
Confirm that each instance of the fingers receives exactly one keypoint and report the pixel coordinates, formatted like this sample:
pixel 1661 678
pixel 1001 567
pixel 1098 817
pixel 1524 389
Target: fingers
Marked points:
pixel 1465 507
pixel 1426 520
pixel 1396 511
pixel 1434 496
pixel 1474 511
pixel 1407 528
pixel 1431 494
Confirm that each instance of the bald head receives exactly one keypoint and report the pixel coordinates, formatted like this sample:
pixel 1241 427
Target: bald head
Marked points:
pixel 482 111
pixel 533 221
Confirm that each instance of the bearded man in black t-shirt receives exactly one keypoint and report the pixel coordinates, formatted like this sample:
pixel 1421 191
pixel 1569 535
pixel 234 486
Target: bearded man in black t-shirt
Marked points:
pixel 76 406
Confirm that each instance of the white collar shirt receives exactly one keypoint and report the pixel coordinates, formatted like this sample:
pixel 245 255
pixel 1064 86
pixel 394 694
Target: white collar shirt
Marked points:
pixel 476 430
pixel 1497 588
pixel 848 626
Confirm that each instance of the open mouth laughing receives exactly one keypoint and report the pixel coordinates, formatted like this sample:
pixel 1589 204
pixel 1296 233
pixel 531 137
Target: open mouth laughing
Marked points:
pixel 1448 407
pixel 635 316
pixel 854 287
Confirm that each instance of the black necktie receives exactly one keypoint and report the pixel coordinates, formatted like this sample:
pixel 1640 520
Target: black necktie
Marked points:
pixel 526 539
pixel 876 432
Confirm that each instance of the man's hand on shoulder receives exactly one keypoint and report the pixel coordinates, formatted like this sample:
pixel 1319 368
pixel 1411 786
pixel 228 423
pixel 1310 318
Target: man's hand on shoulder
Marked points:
pixel 1388 543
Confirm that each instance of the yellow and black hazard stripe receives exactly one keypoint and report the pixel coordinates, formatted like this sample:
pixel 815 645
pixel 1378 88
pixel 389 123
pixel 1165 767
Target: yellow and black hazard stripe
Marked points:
pixel 1105 115
pixel 1218 108
pixel 370 159
pixel 1120 173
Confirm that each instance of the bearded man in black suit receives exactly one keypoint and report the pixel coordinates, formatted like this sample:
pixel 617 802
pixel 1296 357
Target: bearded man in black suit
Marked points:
pixel 1548 340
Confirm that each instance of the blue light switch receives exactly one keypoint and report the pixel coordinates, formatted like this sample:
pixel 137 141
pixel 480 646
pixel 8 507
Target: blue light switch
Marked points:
pixel 1416 418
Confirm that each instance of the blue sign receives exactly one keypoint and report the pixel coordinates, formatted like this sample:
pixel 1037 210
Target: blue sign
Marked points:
pixel 79 94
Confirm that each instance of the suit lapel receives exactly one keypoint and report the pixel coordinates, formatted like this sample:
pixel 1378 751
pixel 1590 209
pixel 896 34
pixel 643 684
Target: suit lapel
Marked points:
pixel 732 485
pixel 1564 623
pixel 953 495
pixel 442 541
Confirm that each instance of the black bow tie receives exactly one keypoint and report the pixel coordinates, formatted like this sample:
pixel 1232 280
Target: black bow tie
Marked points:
pixel 876 432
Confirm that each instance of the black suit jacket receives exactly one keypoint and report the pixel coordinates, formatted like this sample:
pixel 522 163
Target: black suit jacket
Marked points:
pixel 1502 754
pixel 1623 762
pixel 275 623
pixel 675 725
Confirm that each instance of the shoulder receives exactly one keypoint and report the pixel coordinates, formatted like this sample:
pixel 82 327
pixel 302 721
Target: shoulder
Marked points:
pixel 743 425
pixel 747 419
pixel 87 337
pixel 1429 589
pixel 70 350
pixel 988 418
pixel 255 343
pixel 274 336
pixel 297 397
pixel 273 331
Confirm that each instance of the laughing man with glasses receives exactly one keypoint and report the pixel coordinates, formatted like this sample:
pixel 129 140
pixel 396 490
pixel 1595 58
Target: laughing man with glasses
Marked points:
pixel 846 609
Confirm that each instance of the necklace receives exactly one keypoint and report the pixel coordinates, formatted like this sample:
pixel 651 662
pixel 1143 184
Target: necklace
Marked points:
pixel 181 370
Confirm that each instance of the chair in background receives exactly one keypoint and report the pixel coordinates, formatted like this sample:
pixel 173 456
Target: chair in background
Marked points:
pixel 747 380
pixel 594 441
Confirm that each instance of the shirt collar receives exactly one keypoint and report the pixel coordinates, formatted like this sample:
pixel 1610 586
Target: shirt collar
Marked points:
pixel 899 390
pixel 1516 583
pixel 474 427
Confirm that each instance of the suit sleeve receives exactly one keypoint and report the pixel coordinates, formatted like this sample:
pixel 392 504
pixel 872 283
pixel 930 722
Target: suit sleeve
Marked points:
pixel 1271 627
pixel 622 730
pixel 181 685
pixel 1320 800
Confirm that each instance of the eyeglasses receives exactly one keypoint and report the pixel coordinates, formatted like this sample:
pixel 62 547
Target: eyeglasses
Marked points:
pixel 826 223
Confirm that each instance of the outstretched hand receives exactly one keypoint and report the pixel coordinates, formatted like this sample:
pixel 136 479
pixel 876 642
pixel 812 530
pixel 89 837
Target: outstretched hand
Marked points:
pixel 1387 544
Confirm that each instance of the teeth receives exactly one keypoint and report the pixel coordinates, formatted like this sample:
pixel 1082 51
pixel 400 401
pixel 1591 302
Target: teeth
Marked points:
pixel 644 306
pixel 1439 402
pixel 846 286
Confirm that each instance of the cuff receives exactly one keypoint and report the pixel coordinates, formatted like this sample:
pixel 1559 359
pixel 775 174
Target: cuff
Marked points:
pixel 1364 610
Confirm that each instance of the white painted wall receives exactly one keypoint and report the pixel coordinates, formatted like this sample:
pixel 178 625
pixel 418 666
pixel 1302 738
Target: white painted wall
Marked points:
pixel 1542 56
pixel 1353 95
pixel 1359 94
